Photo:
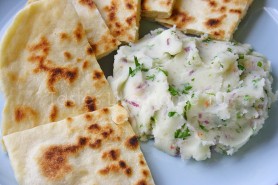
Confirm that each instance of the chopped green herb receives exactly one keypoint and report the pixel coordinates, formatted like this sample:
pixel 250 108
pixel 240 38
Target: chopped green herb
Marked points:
pixel 163 71
pixel 138 67
pixel 186 108
pixel 230 50
pixel 187 87
pixel 193 79
pixel 173 91
pixel 159 32
pixel 229 88
pixel 255 82
pixel 259 64
pixel 221 65
pixel 192 96
pixel 171 114
pixel 153 119
pixel 207 40
pixel 241 56
pixel 211 94
pixel 182 133
pixel 262 99
pixel 203 127
pixel 239 115
pixel 241 67
pixel 235 43
pixel 246 97
pixel 150 77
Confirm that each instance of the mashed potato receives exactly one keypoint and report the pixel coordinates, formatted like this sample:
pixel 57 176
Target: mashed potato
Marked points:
pixel 193 95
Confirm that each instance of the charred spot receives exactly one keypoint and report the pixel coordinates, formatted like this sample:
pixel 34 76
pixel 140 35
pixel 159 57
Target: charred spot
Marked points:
pixel 132 143
pixel 219 33
pixel 128 172
pixel 214 22
pixel 67 55
pixel 91 49
pixel 122 164
pixel 105 110
pixel 223 9
pixel 83 141
pixel 53 113
pixel 19 114
pixel 88 117
pixel 97 75
pixel 107 133
pixel 212 3
pixel 226 1
pixel 78 32
pixel 112 155
pixel 130 19
pixel 236 11
pixel 117 24
pixel 96 144
pixel 88 3
pixel 129 6
pixel 112 16
pixel 142 162
pixel 64 36
pixel 94 127
pixel 181 19
pixel 69 103
pixel 141 182
pixel 69 119
pixel 109 169
pixel 43 46
pixel 90 103
pixel 85 65
pixel 145 173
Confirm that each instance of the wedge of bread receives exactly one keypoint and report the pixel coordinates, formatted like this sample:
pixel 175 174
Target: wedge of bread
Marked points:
pixel 157 8
pixel 218 18
pixel 122 18
pixel 98 34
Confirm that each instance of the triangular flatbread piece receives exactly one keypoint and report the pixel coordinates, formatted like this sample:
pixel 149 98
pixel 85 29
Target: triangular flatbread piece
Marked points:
pixel 48 69
pixel 157 8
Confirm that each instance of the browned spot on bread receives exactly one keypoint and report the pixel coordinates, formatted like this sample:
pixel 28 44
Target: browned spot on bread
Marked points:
pixel 88 117
pixel 212 3
pixel 67 55
pixel 111 155
pixel 98 75
pixel 105 110
pixel 129 6
pixel 24 112
pixel 145 173
pixel 91 50
pixel 64 36
pixel 142 182
pixel 122 164
pixel 142 162
pixel 132 143
pixel 213 23
pixel 110 169
pixel 236 11
pixel 129 20
pixel 226 1
pixel 69 119
pixel 219 33
pixel 223 9
pixel 181 19
pixel 69 103
pixel 94 128
pixel 88 3
pixel 43 45
pixel 90 104
pixel 54 164
pixel 53 113
pixel 78 32
pixel 128 172
pixel 96 144
pixel 85 64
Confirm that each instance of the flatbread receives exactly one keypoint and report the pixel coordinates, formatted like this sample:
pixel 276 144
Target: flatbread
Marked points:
pixel 48 70
pixel 218 18
pixel 96 30
pixel 157 8
pixel 97 148
pixel 122 17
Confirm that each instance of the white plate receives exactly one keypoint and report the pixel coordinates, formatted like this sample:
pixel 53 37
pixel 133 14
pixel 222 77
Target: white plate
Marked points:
pixel 255 164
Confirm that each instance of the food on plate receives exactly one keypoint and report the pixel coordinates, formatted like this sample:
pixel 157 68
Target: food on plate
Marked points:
pixel 193 95
pixel 218 18
pixel 121 17
pixel 94 148
pixel 157 8
pixel 48 70
pixel 98 34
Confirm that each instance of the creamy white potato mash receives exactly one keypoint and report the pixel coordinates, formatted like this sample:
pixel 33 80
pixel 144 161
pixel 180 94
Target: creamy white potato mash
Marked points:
pixel 193 95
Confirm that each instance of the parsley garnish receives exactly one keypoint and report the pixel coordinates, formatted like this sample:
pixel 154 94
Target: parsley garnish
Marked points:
pixel 186 108
pixel 153 119
pixel 187 87
pixel 229 88
pixel 138 67
pixel 171 114
pixel 150 77
pixel 203 127
pixel 182 133
pixel 241 56
pixel 173 91
pixel 207 40
pixel 241 67
pixel 230 50
pixel 246 97
pixel 259 64
pixel 163 71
